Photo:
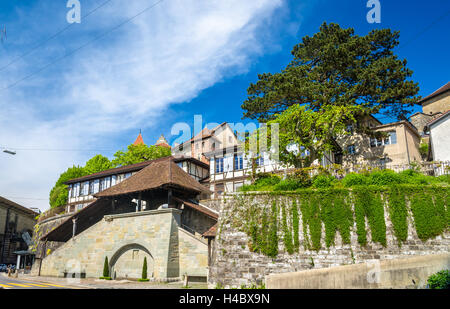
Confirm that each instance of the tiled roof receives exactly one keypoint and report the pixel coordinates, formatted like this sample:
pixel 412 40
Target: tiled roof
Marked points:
pixel 436 119
pixel 17 206
pixel 211 232
pixel 441 90
pixel 139 140
pixel 158 174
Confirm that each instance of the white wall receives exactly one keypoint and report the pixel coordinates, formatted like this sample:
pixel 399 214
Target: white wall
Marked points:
pixel 440 139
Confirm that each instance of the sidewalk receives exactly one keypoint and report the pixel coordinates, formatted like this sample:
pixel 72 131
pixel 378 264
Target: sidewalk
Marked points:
pixel 92 283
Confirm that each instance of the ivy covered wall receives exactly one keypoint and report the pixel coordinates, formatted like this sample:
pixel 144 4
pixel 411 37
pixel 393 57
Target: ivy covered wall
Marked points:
pixel 260 233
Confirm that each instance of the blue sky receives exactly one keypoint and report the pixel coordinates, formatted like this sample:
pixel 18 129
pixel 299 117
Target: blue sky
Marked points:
pixel 179 59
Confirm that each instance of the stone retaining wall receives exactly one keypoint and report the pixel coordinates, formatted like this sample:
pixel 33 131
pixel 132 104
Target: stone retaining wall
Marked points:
pixel 234 264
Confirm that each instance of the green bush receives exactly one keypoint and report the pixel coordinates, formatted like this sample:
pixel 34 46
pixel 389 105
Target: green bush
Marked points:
pixel 144 269
pixel 323 181
pixel 443 178
pixel 354 179
pixel 439 280
pixel 384 178
pixel 106 268
pixel 288 185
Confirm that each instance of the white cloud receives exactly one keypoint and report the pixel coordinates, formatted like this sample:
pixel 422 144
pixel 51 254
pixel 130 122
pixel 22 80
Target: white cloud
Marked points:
pixel 125 80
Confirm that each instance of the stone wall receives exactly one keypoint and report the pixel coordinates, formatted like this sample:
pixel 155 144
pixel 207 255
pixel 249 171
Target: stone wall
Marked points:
pixel 40 229
pixel 410 272
pixel 234 264
pixel 125 239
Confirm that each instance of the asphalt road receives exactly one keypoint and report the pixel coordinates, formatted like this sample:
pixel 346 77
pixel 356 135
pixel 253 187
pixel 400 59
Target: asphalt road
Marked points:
pixel 12 283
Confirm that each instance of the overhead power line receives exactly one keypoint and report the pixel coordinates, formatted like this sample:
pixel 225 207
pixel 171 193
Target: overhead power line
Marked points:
pixel 437 20
pixel 55 149
pixel 82 46
pixel 51 37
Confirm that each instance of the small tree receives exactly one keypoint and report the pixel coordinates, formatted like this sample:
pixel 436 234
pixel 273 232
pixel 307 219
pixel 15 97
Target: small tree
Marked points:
pixel 144 271
pixel 106 269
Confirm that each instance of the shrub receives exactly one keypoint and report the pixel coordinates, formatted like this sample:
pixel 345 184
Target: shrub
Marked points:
pixel 443 178
pixel 106 268
pixel 439 280
pixel 287 185
pixel 354 179
pixel 144 269
pixel 323 181
pixel 384 178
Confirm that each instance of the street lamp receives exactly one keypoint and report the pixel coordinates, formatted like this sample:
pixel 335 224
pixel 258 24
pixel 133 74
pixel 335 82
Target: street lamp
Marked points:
pixel 10 152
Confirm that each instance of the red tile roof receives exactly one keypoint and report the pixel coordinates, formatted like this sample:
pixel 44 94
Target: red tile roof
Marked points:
pixel 139 140
pixel 211 232
pixel 441 90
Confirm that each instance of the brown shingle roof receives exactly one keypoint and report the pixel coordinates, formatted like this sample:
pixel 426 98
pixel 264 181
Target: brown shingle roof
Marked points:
pixel 211 232
pixel 200 208
pixel 435 119
pixel 441 90
pixel 17 206
pixel 159 173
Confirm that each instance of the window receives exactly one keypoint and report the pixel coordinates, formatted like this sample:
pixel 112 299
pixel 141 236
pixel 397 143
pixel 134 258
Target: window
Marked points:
pixel 219 165
pixel 72 191
pixel 91 187
pixel 260 161
pixel 390 140
pixel 230 139
pixel 351 149
pixel 350 129
pixel 393 138
pixel 102 184
pixel 83 189
pixel 238 162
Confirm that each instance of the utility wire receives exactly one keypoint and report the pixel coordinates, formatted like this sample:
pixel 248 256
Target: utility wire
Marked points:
pixel 56 150
pixel 82 46
pixel 425 29
pixel 51 38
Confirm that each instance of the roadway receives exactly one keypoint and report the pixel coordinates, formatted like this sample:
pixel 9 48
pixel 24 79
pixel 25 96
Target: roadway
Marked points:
pixel 13 283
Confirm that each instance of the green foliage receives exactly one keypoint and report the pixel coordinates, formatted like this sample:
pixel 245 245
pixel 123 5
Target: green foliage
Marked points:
pixel 323 181
pixel 335 77
pixel 423 149
pixel 106 268
pixel 295 225
pixel 398 213
pixel 337 209
pixel 144 269
pixel 368 204
pixel 430 218
pixel 272 249
pixel 287 234
pixel 97 164
pixel 439 280
pixel 59 193
pixel 353 179
pixel 384 178
pixel 312 225
pixel 139 153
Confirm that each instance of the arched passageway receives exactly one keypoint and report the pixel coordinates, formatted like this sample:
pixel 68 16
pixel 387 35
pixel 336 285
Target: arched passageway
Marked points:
pixel 128 261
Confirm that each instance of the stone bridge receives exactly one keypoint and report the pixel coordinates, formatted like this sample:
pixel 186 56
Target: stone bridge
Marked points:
pixel 126 239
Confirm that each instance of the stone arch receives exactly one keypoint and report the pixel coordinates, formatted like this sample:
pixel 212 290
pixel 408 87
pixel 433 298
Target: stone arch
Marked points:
pixel 136 268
